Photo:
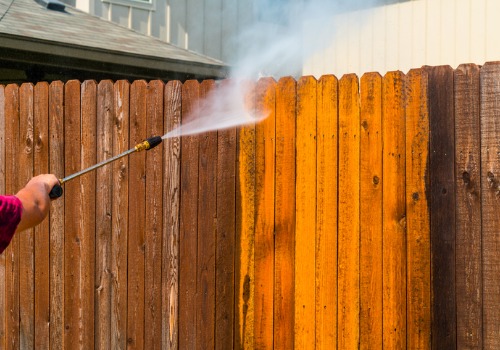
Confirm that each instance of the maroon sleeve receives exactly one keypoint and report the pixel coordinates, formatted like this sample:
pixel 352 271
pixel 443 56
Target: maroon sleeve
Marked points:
pixel 10 216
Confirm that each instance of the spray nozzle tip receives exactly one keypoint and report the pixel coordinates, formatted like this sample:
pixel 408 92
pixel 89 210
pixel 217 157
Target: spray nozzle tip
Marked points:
pixel 149 143
pixel 154 141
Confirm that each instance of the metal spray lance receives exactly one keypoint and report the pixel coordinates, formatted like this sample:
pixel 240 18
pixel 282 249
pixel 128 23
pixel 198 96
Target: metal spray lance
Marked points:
pixel 147 144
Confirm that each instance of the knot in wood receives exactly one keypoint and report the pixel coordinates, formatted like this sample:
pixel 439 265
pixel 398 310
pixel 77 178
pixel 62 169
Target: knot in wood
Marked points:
pixel 466 178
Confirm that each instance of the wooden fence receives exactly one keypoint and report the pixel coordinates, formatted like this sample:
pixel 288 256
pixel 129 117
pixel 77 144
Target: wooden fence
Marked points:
pixel 359 214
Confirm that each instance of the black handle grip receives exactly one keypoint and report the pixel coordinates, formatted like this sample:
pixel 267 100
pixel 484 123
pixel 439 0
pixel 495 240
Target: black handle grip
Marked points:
pixel 56 192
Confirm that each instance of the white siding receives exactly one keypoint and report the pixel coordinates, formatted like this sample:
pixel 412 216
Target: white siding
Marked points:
pixel 205 26
pixel 412 34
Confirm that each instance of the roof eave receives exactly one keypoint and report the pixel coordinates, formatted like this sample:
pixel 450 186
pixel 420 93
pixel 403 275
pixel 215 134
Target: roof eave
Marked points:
pixel 96 57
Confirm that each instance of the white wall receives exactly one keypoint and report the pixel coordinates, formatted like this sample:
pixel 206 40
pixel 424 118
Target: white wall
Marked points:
pixel 203 26
pixel 410 35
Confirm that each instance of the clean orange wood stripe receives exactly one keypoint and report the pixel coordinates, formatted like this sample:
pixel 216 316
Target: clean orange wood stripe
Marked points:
pixel 371 212
pixel 305 226
pixel 326 193
pixel 394 213
pixel 41 166
pixel 264 215
pixel 245 231
pixel 27 238
pixel 417 212
pixel 285 214
pixel 348 211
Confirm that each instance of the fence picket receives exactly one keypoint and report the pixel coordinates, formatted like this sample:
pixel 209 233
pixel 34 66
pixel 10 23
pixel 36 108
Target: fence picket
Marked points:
pixel 170 255
pixel 264 214
pixel 207 211
pixel 12 137
pixel 284 260
pixel 154 219
pixel 468 207
pixel 56 216
pixel 348 303
pixel 417 212
pixel 41 246
pixel 104 178
pixel 119 216
pixel 394 212
pixel 3 309
pixel 442 206
pixel 87 212
pixel 225 240
pixel 26 238
pixel 137 219
pixel 188 224
pixel 74 200
pixel 326 212
pixel 490 170
pixel 371 183
pixel 305 220
pixel 245 231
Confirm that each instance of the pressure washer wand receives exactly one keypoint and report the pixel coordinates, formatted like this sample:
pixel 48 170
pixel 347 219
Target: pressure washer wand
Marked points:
pixel 147 144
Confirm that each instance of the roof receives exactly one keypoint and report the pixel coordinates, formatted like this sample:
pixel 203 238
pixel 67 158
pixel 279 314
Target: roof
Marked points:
pixel 31 32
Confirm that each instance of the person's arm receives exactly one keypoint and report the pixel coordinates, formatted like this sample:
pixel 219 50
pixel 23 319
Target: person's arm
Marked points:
pixel 35 200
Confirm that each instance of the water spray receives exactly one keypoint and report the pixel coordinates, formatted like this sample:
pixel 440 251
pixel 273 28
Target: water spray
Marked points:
pixel 149 143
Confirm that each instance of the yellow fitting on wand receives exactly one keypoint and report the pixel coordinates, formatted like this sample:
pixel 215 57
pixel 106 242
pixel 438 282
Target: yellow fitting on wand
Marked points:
pixel 142 146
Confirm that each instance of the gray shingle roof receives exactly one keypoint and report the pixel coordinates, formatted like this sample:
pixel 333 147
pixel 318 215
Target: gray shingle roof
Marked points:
pixel 78 34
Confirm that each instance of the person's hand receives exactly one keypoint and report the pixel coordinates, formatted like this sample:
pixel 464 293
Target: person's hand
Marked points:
pixel 35 199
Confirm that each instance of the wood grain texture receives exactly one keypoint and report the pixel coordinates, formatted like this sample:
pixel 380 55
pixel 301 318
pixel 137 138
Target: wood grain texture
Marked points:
pixel 394 212
pixel 348 304
pixel 56 216
pixel 245 231
pixel 171 209
pixel 41 247
pixel 226 238
pixel 137 219
pixel 119 216
pixel 490 170
pixel 154 219
pixel 468 207
pixel 442 206
pixel 305 222
pixel 12 184
pixel 326 212
pixel 284 242
pixel 26 238
pixel 417 212
pixel 188 235
pixel 371 183
pixel 264 214
pixel 207 214
pixel 3 310
pixel 104 194
pixel 72 229
pixel 88 214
